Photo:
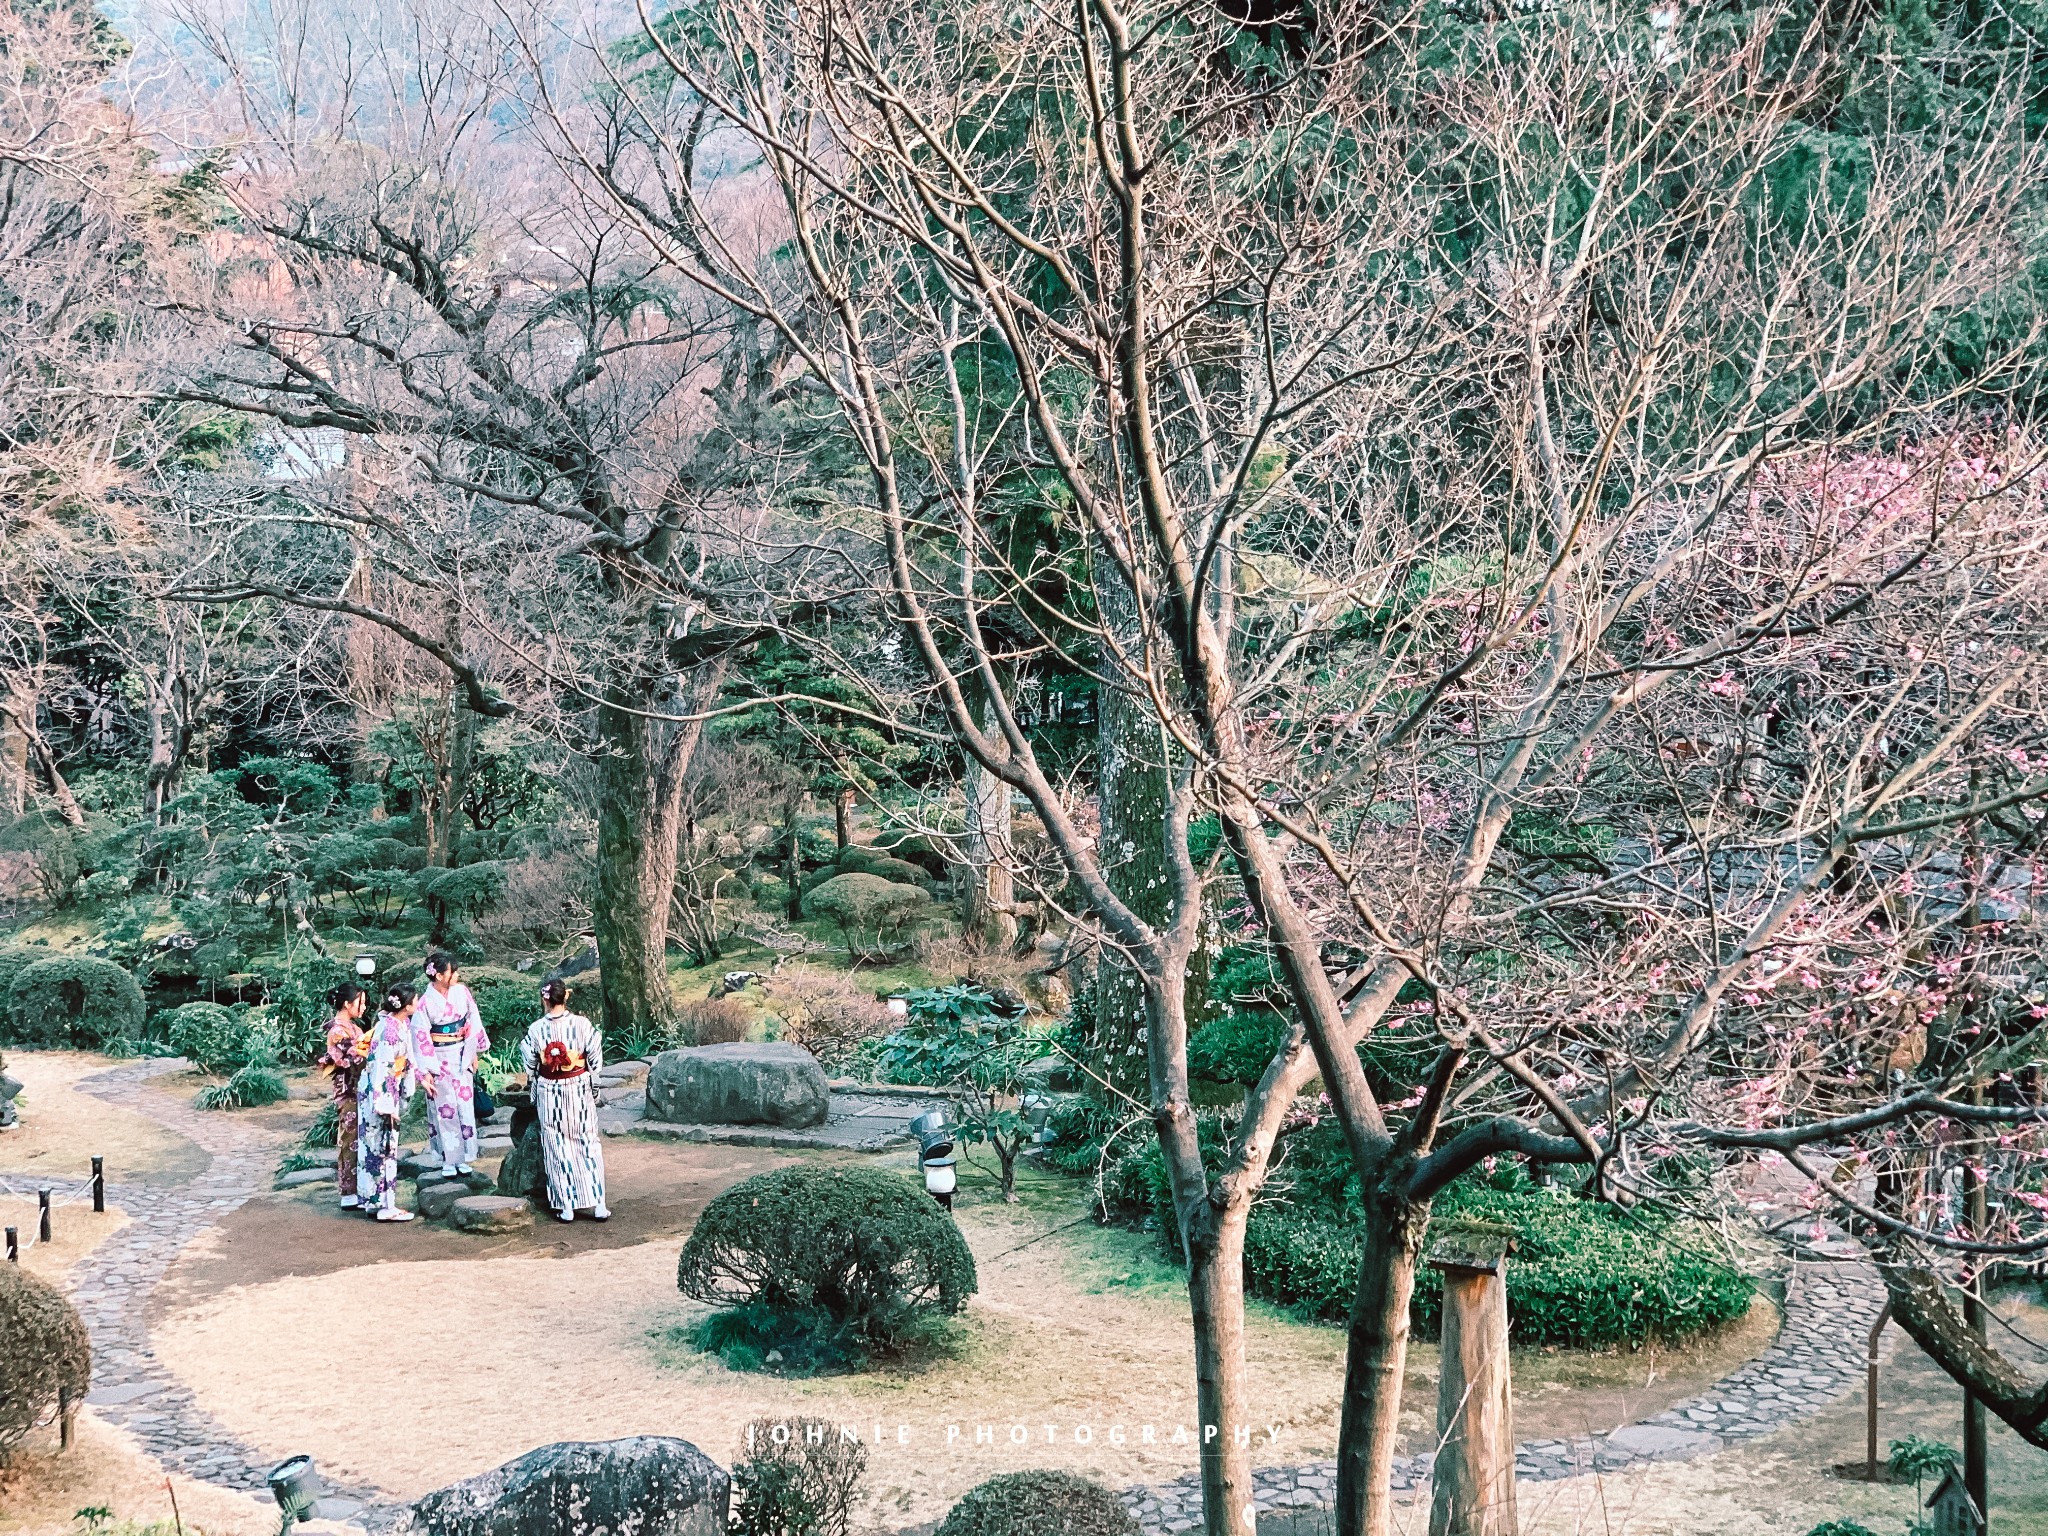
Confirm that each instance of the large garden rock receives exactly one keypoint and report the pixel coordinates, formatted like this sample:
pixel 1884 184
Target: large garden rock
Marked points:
pixel 648 1485
pixel 491 1214
pixel 524 1172
pixel 773 1083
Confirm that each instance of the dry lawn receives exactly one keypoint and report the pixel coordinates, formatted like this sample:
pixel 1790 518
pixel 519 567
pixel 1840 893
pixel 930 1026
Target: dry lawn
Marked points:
pixel 1076 1333
pixel 41 1489
pixel 62 1129
pixel 74 1232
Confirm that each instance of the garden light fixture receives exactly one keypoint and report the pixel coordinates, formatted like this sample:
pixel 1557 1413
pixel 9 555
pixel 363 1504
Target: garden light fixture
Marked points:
pixel 366 966
pixel 941 1177
pixel 296 1487
pixel 934 1132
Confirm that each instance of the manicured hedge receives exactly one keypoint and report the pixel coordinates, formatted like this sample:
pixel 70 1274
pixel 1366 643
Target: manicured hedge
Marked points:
pixel 1585 1274
pixel 73 1000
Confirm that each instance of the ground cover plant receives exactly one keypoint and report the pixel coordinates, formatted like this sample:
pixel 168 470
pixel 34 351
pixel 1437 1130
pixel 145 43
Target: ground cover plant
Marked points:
pixel 821 1268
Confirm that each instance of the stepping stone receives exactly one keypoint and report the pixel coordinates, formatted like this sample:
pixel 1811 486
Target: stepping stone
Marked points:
pixel 304 1177
pixel 491 1213
pixel 436 1200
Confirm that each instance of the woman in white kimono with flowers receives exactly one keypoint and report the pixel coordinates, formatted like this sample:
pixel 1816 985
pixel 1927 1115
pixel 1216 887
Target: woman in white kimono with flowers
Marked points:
pixel 563 1053
pixel 448 1038
pixel 383 1089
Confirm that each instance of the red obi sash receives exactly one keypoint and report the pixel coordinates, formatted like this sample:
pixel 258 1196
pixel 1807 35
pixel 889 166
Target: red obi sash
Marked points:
pixel 558 1064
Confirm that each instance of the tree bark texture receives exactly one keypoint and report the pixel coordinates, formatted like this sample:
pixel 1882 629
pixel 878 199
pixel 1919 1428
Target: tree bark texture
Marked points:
pixel 991 888
pixel 640 783
pixel 1376 1354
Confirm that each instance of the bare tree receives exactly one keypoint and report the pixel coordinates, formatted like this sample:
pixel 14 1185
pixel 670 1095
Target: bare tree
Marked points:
pixel 538 423
pixel 1458 436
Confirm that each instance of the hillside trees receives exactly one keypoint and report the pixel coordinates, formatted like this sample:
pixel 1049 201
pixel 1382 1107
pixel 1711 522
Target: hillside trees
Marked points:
pixel 1569 593
pixel 534 424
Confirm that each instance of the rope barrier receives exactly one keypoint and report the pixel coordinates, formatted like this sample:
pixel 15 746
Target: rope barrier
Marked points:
pixel 93 1187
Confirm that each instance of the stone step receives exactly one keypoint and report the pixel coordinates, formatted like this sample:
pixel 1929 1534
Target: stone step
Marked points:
pixel 491 1214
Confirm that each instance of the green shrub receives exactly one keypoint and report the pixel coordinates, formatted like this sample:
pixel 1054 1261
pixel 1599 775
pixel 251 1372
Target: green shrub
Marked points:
pixel 1841 1528
pixel 14 959
pixel 506 1000
pixel 797 1477
pixel 73 1000
pixel 876 917
pixel 1236 1048
pixel 857 860
pixel 1038 1504
pixel 209 1036
pixel 835 1264
pixel 1589 1275
pixel 46 1353
pixel 251 1087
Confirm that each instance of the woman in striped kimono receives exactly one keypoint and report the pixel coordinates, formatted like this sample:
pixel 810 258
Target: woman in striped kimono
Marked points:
pixel 563 1053
pixel 448 1038
pixel 384 1088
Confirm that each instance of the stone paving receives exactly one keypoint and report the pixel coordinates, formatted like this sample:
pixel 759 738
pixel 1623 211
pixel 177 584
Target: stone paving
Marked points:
pixel 1821 1349
pixel 111 1284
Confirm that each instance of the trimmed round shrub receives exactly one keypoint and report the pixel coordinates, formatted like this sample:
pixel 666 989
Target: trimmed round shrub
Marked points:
pixel 1038 1504
pixel 14 959
pixel 874 915
pixel 825 1266
pixel 208 1036
pixel 46 1353
pixel 857 860
pixel 73 1000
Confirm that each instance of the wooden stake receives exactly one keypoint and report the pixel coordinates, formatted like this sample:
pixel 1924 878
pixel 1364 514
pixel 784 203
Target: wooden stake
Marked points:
pixel 42 1215
pixel 99 1184
pixel 1474 1477
pixel 1870 1396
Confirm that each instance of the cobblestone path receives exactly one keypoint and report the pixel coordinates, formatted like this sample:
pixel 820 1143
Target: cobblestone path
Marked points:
pixel 1819 1355
pixel 111 1285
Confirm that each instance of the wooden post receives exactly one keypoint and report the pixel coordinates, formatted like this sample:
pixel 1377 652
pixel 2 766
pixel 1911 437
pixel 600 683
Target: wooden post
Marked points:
pixel 1474 1478
pixel 1870 1396
pixel 42 1215
pixel 67 1419
pixel 13 1247
pixel 99 1184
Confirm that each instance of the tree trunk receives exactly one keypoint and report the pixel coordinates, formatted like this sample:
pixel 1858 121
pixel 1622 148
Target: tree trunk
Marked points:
pixel 636 866
pixel 1376 1353
pixel 17 702
pixel 842 818
pixel 640 780
pixel 1474 1474
pixel 1222 1396
pixel 991 887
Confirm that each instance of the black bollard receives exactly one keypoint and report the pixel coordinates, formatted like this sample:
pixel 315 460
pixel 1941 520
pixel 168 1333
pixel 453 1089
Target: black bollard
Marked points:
pixel 99 1184
pixel 13 1247
pixel 42 1215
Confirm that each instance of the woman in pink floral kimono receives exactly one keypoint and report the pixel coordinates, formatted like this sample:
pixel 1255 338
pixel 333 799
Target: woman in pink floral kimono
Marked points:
pixel 448 1038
